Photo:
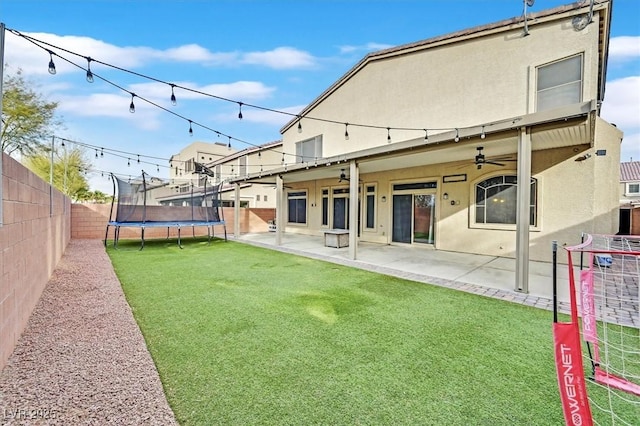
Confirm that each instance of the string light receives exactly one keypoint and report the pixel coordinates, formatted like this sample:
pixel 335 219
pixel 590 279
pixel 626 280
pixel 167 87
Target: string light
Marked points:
pixel 157 168
pixel 388 135
pixel 190 128
pixel 52 66
pixel 101 152
pixel 282 157
pixel 174 102
pixel 96 153
pixel 426 135
pixel 229 144
pixel 89 73
pixel 132 107
pixel 346 131
pixel 128 162
pixel 482 135
pixel 138 159
pixel 240 104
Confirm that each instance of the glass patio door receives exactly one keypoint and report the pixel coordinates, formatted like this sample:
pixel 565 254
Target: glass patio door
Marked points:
pixel 414 218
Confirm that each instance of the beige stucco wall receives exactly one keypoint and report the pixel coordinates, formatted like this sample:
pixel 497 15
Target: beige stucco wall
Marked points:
pixel 467 83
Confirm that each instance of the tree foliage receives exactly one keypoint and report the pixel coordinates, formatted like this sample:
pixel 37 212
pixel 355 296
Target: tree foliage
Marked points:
pixel 69 167
pixel 28 120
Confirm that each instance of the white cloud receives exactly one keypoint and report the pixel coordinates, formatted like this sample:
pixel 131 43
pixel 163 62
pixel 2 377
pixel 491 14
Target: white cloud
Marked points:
pixel 21 53
pixel 630 147
pixel 624 48
pixel 622 102
pixel 239 90
pixel 368 47
pixel 280 58
pixel 110 105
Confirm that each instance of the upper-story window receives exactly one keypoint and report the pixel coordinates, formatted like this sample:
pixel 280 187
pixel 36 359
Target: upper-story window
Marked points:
pixel 496 201
pixel 559 83
pixel 633 189
pixel 309 150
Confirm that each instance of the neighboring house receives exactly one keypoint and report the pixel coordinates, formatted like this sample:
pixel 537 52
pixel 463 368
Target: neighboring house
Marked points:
pixel 630 198
pixel 391 151
pixel 185 185
pixel 187 179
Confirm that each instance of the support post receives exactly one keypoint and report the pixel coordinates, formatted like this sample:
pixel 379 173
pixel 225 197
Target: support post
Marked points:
pixel 2 28
pixel 354 179
pixel 236 211
pixel 523 210
pixel 279 209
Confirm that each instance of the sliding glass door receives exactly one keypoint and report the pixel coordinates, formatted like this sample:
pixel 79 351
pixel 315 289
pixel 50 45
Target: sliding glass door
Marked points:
pixel 414 218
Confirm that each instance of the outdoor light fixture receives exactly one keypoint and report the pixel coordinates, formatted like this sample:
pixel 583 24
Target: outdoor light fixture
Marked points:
pixel 190 128
pixel 346 131
pixel 299 127
pixel 173 96
pixel 89 73
pixel 132 107
pixel 445 196
pixel 457 138
pixel 240 110
pixel 52 66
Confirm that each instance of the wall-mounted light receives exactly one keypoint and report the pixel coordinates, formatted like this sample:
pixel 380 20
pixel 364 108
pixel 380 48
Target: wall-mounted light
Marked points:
pixel 445 196
pixel 383 198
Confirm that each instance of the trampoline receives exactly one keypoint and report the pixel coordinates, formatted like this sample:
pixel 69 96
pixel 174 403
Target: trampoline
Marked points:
pixel 137 208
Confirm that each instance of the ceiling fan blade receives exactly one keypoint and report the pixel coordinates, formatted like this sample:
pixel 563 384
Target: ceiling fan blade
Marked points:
pixel 495 163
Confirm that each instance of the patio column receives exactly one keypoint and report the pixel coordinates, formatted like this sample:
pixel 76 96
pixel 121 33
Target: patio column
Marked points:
pixel 236 211
pixel 523 210
pixel 279 209
pixel 354 178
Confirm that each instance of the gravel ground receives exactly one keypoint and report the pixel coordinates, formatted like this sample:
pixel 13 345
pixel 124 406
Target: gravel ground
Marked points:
pixel 82 359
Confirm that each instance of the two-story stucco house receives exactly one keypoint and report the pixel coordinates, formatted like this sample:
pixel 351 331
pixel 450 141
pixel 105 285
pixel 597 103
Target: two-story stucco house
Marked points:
pixel 488 140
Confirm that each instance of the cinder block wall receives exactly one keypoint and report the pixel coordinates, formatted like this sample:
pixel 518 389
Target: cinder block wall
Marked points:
pixel 89 221
pixel 35 232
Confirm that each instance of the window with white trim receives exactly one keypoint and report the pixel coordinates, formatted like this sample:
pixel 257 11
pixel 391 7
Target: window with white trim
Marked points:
pixel 496 201
pixel 633 188
pixel 297 205
pixel 309 150
pixel 325 207
pixel 559 83
pixel 370 207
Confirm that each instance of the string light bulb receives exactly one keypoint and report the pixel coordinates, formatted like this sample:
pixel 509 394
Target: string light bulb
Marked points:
pixel 388 135
pixel 282 157
pixel 128 162
pixel 190 128
pixel 346 131
pixel 482 135
pixel 457 138
pixel 229 144
pixel 299 127
pixel 240 110
pixel 132 107
pixel 174 102
pixel 89 73
pixel 138 158
pixel 101 152
pixel 52 66
pixel 426 135
pixel 158 168
pixel 96 153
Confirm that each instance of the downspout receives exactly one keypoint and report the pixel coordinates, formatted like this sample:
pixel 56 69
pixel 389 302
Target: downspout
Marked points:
pixel 522 210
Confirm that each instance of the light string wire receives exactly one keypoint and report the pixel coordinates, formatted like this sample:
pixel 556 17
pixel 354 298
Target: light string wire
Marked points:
pixel 239 103
pixel 39 43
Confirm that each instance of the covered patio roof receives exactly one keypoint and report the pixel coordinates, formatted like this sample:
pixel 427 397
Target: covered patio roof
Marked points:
pixel 561 127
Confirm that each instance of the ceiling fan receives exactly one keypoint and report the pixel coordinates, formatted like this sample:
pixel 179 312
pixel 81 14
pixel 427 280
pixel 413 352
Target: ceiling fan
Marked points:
pixel 343 176
pixel 481 160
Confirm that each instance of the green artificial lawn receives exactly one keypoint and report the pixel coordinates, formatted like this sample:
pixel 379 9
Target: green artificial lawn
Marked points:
pixel 244 335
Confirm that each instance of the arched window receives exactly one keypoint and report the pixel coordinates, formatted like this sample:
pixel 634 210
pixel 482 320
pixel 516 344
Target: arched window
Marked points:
pixel 496 201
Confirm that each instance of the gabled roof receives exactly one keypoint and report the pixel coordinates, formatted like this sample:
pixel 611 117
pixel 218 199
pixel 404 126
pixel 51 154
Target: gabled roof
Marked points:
pixel 504 25
pixel 630 171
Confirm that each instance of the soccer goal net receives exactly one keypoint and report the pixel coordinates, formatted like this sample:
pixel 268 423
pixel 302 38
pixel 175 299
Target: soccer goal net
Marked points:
pixel 597 350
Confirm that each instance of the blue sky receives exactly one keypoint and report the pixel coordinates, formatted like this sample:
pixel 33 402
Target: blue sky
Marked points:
pixel 276 54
